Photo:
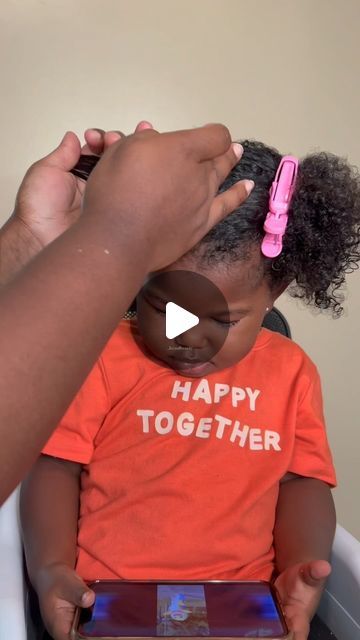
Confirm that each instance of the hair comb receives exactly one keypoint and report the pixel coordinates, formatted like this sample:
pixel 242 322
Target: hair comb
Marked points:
pixel 85 166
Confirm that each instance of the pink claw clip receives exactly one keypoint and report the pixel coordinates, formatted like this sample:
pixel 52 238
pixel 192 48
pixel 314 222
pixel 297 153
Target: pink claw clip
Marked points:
pixel 281 193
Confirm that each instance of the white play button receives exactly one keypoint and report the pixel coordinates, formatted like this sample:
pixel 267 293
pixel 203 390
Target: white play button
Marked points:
pixel 178 320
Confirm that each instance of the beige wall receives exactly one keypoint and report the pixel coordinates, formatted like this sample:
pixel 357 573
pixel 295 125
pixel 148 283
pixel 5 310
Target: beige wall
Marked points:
pixel 284 71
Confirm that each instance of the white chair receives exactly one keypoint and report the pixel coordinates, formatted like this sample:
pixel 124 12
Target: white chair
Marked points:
pixel 12 612
pixel 339 608
pixel 340 604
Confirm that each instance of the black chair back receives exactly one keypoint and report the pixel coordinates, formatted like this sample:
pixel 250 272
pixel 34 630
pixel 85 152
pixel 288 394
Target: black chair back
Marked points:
pixel 276 321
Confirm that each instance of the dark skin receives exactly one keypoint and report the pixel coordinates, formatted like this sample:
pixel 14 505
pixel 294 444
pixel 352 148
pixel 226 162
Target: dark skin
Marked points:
pixel 247 295
pixel 75 290
pixel 302 552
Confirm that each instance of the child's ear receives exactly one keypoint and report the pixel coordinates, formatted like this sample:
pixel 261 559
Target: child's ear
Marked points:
pixel 276 293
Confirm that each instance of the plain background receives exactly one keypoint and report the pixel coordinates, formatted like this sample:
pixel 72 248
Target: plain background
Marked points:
pixel 283 71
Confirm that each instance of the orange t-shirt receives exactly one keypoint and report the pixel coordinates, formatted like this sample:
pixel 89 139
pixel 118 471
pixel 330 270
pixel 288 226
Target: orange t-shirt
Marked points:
pixel 181 475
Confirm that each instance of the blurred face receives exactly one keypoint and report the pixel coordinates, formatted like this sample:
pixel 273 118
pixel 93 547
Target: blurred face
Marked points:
pixel 247 295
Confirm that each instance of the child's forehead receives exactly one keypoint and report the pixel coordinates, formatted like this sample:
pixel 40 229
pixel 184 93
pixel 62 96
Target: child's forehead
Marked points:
pixel 236 280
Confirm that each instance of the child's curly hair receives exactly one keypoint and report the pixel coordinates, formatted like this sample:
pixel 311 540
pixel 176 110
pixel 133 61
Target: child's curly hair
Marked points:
pixel 321 243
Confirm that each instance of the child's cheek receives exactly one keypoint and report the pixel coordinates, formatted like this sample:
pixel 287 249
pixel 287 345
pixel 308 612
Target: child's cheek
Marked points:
pixel 237 345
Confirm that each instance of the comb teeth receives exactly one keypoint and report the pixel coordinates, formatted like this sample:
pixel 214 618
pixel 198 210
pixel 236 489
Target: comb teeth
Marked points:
pixel 85 166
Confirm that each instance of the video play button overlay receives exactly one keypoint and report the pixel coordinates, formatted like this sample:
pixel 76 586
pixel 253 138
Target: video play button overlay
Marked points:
pixel 178 320
pixel 183 319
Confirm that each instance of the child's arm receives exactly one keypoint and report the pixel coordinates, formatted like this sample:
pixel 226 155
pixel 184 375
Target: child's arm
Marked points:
pixel 49 516
pixel 305 521
pixel 303 534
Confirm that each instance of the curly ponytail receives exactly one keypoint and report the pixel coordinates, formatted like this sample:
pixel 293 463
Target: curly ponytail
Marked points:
pixel 322 239
pixel 321 244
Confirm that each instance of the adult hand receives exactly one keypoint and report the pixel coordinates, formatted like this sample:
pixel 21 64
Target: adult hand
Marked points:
pixel 149 199
pixel 49 198
pixel 300 588
pixel 159 190
pixel 61 590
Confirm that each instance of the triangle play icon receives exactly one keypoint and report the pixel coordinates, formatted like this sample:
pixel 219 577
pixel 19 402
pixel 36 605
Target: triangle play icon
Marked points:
pixel 178 320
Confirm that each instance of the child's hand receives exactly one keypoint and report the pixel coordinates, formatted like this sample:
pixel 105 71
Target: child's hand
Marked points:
pixel 300 588
pixel 60 591
pixel 49 198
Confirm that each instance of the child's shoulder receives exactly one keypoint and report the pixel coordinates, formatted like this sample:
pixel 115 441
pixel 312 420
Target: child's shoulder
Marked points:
pixel 123 361
pixel 285 350
pixel 123 345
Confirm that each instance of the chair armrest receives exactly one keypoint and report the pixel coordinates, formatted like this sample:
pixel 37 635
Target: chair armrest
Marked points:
pixel 339 607
pixel 12 613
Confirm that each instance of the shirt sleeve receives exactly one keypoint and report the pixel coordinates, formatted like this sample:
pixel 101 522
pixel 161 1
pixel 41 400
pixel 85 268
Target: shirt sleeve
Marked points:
pixel 311 455
pixel 74 437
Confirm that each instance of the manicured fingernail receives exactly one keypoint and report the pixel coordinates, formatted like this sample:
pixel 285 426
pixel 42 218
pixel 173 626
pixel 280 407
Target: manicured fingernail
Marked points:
pixel 237 149
pixel 249 185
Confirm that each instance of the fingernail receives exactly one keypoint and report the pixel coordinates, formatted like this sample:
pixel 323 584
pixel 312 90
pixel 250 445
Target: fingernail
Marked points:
pixel 64 137
pixel 86 598
pixel 94 130
pixel 237 149
pixel 144 124
pixel 249 185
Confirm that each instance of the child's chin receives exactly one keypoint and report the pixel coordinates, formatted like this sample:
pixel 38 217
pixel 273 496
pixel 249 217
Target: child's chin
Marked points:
pixel 196 370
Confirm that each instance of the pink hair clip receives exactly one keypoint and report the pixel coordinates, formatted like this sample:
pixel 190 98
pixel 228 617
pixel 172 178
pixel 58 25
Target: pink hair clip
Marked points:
pixel 281 193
